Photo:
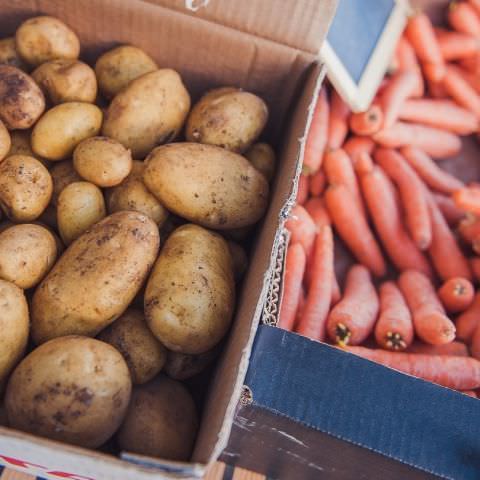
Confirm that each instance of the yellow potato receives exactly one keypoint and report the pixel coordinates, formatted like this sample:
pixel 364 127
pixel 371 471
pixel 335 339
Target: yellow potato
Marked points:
pixel 25 188
pixel 161 421
pixel 116 68
pixel 102 161
pixel 80 205
pixel 190 295
pixel 63 174
pixel 130 335
pixel 5 141
pixel 20 145
pixel 150 111
pixel 63 127
pixel 66 81
pixel 72 389
pixel 132 194
pixel 27 253
pixel 239 258
pixel 96 278
pixel 21 100
pixel 9 54
pixel 207 185
pixel 181 366
pixel 44 38
pixel 262 157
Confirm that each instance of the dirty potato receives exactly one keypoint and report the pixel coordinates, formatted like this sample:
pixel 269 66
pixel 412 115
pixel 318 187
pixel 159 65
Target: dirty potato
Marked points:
pixel 44 38
pixel 66 81
pixel 239 258
pixel 116 68
pixel 63 174
pixel 150 111
pixel 207 185
pixel 9 54
pixel 102 161
pixel 96 278
pixel 73 389
pixel 5 141
pixel 21 100
pixel 181 366
pixel 262 157
pixel 130 335
pixel 190 294
pixel 161 421
pixel 25 188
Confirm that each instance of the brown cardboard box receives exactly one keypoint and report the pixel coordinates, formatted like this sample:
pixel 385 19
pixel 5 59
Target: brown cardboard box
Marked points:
pixel 264 46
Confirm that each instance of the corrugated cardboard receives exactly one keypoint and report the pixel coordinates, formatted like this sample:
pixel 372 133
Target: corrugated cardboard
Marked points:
pixel 207 54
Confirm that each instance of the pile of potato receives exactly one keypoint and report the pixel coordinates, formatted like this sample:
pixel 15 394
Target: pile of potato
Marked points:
pixel 117 264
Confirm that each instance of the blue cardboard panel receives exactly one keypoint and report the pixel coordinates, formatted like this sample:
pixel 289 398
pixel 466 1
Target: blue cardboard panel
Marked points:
pixel 405 418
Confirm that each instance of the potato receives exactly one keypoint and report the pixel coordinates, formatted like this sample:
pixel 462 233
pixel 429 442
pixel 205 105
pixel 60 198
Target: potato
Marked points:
pixel 20 145
pixel 132 194
pixel 181 366
pixel 96 278
pixel 63 174
pixel 262 157
pixel 5 141
pixel 116 68
pixel 150 111
pixel 27 253
pixel 21 100
pixel 63 127
pixel 44 38
pixel 161 421
pixel 25 188
pixel 9 54
pixel 207 185
pixel 239 258
pixel 72 389
pixel 65 80
pixel 130 335
pixel 190 295
pixel 80 205
pixel 14 325
pixel 228 118
pixel 102 161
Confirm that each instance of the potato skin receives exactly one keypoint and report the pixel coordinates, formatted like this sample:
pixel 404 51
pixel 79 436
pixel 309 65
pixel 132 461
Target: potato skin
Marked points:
pixel 262 157
pixel 44 38
pixel 21 100
pixel 130 335
pixel 161 421
pixel 63 174
pixel 223 190
pixel 63 127
pixel 79 206
pixel 65 80
pixel 27 253
pixel 190 295
pixel 116 68
pixel 25 188
pixel 73 389
pixel 9 54
pixel 132 194
pixel 150 111
pixel 96 278
pixel 181 366
pixel 5 141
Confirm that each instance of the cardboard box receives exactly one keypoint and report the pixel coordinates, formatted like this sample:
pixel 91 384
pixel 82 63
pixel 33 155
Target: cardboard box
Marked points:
pixel 251 44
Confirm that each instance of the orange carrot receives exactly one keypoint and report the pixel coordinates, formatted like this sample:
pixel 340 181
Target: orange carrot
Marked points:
pixel 295 262
pixel 301 306
pixel 469 228
pixel 471 64
pixel 318 182
pixel 455 45
pixel 394 328
pixel 467 322
pixel 430 172
pixel 471 78
pixel 429 319
pixel 469 393
pixel 364 163
pixel 457 349
pixel 458 373
pixel 437 91
pixel 452 214
pixel 439 113
pixel 317 135
pixel 462 18
pixel 461 91
pixel 338 121
pixel 468 199
pixel 475 5
pixel 353 228
pixel 303 186
pixel 475 266
pixel 456 294
pixel 412 195
pixel 407 61
pixel 302 228
pixel 475 345
pixel 356 145
pixel 379 194
pixel 367 123
pixel 352 319
pixel 319 296
pixel 315 206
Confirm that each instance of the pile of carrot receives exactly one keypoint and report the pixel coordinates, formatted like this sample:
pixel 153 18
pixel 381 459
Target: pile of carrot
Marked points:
pixel 373 181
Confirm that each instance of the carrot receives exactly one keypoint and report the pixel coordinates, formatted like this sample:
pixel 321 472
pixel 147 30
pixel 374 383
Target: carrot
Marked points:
pixel 319 296
pixel 303 186
pixel 452 214
pixel 437 91
pixel 471 64
pixel 338 121
pixel 353 228
pixel 468 320
pixel 475 266
pixel 462 18
pixel 475 345
pixel 475 5
pixel 356 145
pixel 455 45
pixel 301 306
pixel 468 199
pixel 461 91
pixel 295 262
pixel 317 135
pixel 439 113
pixel 469 393
pixel 364 163
pixel 472 79
pixel 315 206
pixel 336 292
pixel 367 123
pixel 456 294
pixel 407 61
pixel 302 228
pixel 318 181
pixel 394 328
pixel 415 204
pixel 469 228
pixel 430 172
pixel 352 319
pixel 379 195
pixel 458 373
pixel 436 143
pixel 457 349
